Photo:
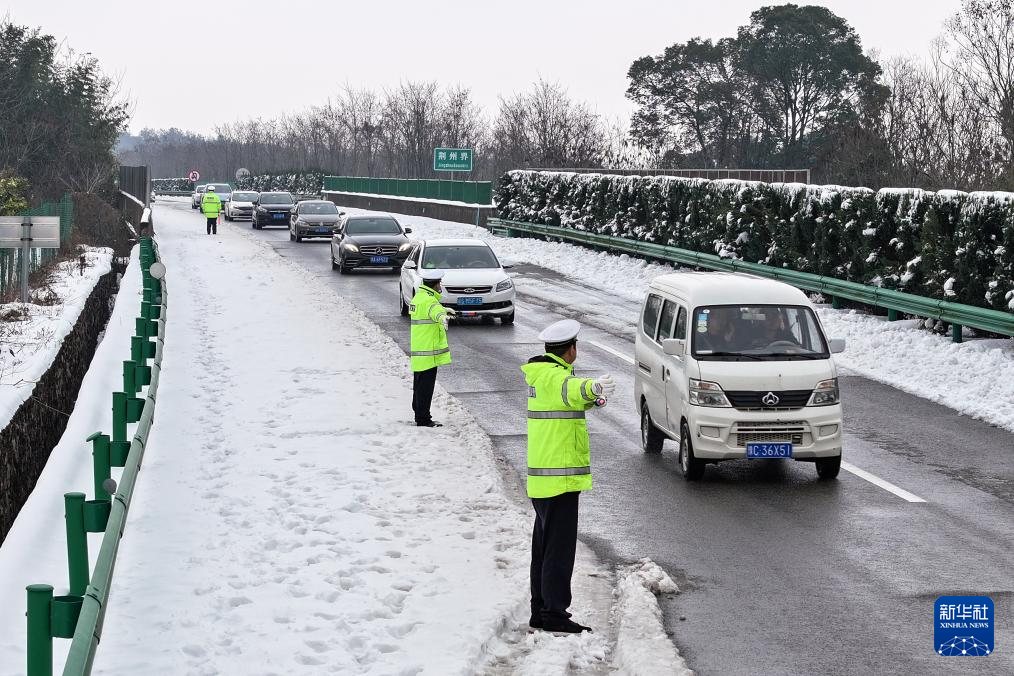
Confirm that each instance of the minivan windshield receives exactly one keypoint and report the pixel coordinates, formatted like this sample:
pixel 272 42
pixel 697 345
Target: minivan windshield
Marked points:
pixel 372 226
pixel 276 198
pixel 244 196
pixel 458 258
pixel 756 332
pixel 221 187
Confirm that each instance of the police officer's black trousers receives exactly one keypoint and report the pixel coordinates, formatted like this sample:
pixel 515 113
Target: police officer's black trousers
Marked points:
pixel 212 225
pixel 554 543
pixel 423 383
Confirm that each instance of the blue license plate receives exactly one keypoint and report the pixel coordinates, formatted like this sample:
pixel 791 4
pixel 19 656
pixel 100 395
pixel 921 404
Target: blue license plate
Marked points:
pixel 321 231
pixel 768 450
pixel 278 217
pixel 470 300
pixel 380 259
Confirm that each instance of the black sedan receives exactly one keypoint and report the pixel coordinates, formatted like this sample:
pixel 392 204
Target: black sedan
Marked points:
pixel 272 208
pixel 313 218
pixel 372 241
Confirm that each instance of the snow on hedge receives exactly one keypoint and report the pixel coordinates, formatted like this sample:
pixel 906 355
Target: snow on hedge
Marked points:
pixel 948 244
pixel 299 182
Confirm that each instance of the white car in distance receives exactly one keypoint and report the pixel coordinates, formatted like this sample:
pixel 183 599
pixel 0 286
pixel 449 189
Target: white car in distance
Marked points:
pixel 241 205
pixel 475 283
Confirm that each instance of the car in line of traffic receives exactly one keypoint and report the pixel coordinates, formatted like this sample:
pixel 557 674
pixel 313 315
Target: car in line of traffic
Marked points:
pixel 733 366
pixel 223 190
pixel 369 241
pixel 241 205
pixel 475 282
pixel 272 208
pixel 314 219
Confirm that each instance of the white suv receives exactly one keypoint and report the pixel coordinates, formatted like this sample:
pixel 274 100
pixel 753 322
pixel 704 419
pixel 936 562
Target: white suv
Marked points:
pixel 475 284
pixel 735 366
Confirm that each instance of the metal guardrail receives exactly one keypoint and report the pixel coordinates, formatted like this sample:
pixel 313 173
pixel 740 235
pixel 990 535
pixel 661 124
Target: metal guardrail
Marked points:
pixel 894 302
pixel 469 192
pixel 80 614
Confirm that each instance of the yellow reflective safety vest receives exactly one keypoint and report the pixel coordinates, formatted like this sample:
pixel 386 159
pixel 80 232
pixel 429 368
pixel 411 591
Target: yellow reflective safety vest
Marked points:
pixel 428 342
pixel 559 455
pixel 211 204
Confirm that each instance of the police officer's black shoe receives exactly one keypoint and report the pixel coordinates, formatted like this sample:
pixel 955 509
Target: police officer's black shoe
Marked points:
pixel 564 626
pixel 535 621
pixel 431 423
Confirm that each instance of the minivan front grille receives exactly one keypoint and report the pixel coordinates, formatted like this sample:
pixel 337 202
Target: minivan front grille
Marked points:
pixel 786 400
pixel 467 290
pixel 750 432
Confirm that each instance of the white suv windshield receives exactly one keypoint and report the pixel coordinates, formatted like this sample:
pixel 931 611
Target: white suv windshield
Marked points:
pixel 756 332
pixel 458 257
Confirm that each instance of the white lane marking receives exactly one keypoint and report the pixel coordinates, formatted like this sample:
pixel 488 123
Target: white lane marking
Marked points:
pixel 615 353
pixel 877 481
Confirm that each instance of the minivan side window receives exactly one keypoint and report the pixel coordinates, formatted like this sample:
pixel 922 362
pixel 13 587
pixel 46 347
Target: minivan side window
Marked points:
pixel 666 323
pixel 649 323
pixel 681 325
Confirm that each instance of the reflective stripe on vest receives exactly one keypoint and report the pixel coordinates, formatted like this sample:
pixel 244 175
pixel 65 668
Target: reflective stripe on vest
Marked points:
pixel 423 321
pixel 563 393
pixel 556 415
pixel 433 353
pixel 558 471
pixel 585 387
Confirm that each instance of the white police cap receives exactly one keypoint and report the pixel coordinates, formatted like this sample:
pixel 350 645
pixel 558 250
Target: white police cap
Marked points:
pixel 210 188
pixel 433 275
pixel 560 333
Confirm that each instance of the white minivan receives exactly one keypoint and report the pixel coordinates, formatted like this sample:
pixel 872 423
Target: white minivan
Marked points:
pixel 736 366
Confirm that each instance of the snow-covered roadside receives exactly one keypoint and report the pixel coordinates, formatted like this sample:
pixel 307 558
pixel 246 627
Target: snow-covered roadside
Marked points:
pixel 35 550
pixel 287 495
pixel 31 342
pixel 975 377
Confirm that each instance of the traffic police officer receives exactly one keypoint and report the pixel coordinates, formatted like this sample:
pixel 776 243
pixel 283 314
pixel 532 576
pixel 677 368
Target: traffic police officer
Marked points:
pixel 428 344
pixel 559 468
pixel 211 205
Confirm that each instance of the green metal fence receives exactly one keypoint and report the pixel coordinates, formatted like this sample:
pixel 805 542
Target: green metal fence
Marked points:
pixel 10 259
pixel 894 302
pixel 79 615
pixel 468 192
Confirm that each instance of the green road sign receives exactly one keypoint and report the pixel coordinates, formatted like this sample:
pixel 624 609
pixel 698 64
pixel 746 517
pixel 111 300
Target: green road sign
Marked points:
pixel 452 159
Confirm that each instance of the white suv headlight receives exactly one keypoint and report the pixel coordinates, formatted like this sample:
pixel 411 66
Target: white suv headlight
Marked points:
pixel 703 393
pixel 504 285
pixel 825 393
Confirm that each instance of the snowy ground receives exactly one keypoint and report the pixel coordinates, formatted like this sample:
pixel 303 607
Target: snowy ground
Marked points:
pixel 975 377
pixel 291 519
pixel 35 550
pixel 32 342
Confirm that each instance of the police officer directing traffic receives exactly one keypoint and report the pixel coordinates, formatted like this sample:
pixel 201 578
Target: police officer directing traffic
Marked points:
pixel 428 344
pixel 211 205
pixel 559 468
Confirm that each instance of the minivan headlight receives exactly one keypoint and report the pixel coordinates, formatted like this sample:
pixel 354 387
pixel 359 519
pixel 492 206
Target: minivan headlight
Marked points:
pixel 703 393
pixel 504 285
pixel 825 393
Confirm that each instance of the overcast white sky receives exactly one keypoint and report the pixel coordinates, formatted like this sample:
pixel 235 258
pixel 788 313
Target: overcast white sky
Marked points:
pixel 163 51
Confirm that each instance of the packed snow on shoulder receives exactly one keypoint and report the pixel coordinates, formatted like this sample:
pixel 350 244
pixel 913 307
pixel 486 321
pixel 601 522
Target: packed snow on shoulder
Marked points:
pixel 32 333
pixel 975 377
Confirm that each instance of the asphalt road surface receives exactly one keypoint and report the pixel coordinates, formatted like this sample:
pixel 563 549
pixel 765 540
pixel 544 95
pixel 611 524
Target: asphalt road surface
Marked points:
pixel 780 573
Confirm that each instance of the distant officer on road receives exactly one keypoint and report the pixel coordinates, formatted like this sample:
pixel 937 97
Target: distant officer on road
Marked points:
pixel 211 206
pixel 559 468
pixel 429 348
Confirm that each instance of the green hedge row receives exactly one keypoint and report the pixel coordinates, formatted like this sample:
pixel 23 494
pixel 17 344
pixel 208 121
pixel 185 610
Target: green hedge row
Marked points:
pixel 298 182
pixel 951 245
pixel 172 184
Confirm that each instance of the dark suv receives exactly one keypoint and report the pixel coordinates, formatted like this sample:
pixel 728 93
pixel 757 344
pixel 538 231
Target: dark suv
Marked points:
pixel 272 208
pixel 373 241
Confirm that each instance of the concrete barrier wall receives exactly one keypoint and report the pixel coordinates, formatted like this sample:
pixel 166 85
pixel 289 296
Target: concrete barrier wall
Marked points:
pixel 458 213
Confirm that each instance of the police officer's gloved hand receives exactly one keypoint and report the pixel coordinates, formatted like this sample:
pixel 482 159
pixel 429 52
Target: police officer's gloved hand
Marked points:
pixel 604 386
pixel 445 320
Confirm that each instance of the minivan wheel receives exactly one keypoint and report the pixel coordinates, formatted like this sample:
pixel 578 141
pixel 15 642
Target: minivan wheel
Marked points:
pixel 828 468
pixel 651 437
pixel 507 319
pixel 334 265
pixel 404 307
pixel 691 468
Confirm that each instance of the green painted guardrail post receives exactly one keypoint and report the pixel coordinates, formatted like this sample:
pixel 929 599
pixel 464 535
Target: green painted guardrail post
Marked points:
pixel 100 464
pixel 129 371
pixel 77 542
pixel 119 446
pixel 40 634
pixel 956 333
pixel 892 315
pixel 836 303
